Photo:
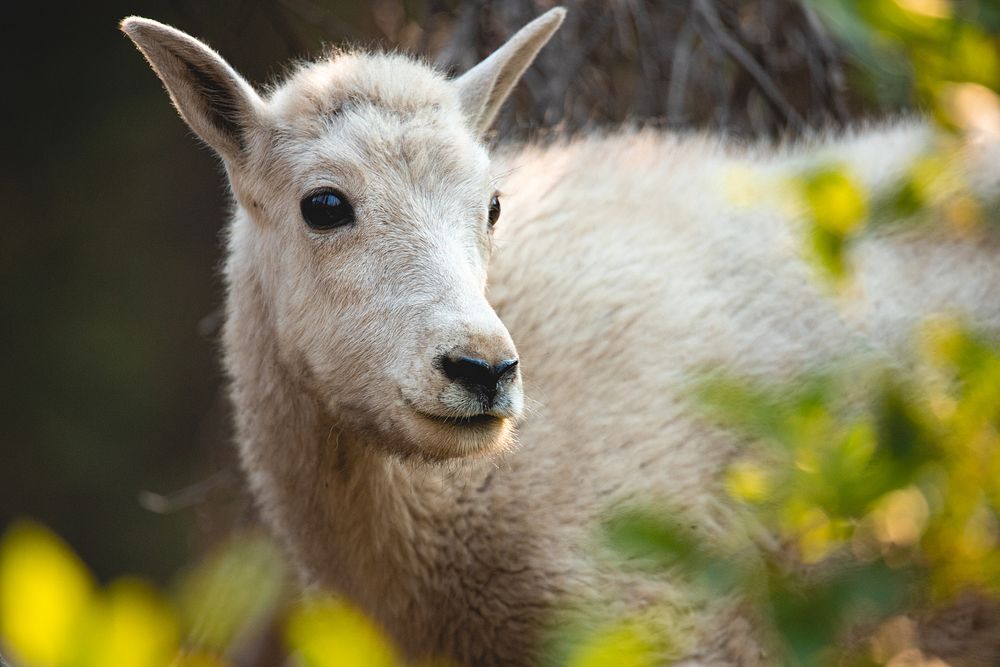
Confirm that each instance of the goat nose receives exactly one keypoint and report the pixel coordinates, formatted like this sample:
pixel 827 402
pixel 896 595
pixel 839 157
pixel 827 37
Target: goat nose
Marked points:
pixel 477 374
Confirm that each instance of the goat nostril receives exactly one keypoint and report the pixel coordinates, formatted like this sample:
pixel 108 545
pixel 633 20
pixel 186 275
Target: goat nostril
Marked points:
pixel 473 373
pixel 476 374
pixel 504 367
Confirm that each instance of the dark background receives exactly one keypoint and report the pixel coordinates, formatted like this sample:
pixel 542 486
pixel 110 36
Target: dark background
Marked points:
pixel 113 429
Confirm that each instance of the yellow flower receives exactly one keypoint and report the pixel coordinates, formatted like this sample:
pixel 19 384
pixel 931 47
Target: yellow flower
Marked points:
pixel 625 644
pixel 131 626
pixel 331 633
pixel 45 592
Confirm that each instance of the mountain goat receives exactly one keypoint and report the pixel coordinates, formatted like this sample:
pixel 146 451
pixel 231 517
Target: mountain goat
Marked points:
pixel 440 456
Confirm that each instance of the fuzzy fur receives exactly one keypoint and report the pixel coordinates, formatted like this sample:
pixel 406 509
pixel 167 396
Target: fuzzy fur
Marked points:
pixel 619 268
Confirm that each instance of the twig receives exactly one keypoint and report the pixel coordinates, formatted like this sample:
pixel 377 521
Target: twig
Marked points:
pixel 752 67
pixel 679 67
pixel 183 498
pixel 834 78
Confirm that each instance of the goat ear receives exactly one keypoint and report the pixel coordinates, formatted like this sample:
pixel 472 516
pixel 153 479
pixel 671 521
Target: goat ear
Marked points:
pixel 215 101
pixel 485 87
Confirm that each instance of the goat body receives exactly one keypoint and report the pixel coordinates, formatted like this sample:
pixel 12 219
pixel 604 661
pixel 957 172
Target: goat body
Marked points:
pixel 621 266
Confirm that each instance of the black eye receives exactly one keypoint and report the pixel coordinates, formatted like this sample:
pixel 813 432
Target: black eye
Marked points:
pixel 494 210
pixel 326 209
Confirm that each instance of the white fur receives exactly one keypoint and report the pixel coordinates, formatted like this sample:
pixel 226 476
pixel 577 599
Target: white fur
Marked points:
pixel 619 267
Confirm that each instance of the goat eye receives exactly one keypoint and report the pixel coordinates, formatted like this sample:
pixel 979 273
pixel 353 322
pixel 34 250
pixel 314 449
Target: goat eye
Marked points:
pixel 326 209
pixel 494 210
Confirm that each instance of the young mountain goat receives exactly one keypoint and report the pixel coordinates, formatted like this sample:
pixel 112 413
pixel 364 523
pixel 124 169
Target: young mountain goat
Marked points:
pixel 378 392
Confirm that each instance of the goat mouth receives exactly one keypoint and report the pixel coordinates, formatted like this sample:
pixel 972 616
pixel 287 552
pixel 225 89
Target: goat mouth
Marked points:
pixel 466 422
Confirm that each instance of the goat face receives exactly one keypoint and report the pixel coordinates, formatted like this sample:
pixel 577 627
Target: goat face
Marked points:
pixel 363 232
pixel 377 231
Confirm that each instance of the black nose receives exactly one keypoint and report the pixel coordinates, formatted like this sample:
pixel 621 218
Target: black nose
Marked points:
pixel 477 375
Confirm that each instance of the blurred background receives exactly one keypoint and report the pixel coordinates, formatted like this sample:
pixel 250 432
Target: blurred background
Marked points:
pixel 114 428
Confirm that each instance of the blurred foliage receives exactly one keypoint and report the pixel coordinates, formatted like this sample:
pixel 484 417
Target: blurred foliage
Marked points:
pixel 240 581
pixel 887 480
pixel 881 484
pixel 940 56
pixel 329 633
pixel 625 643
pixel 896 468
pixel 53 614
pixel 916 51
pixel 837 206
